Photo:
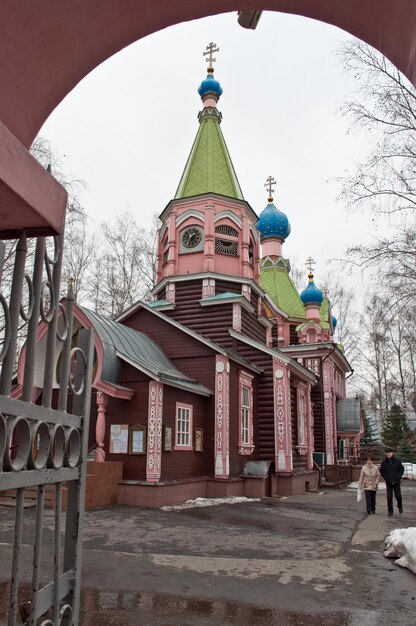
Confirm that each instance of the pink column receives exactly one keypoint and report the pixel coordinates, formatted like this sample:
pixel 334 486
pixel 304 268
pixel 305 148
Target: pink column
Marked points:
pixel 102 400
pixel 302 443
pixel 269 337
pixel 328 417
pixel 222 417
pixel 245 244
pixel 209 236
pixel 282 417
pixel 154 436
pixel 170 269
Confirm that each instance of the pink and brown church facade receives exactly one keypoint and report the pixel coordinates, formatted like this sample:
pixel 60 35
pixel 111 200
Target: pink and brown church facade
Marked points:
pixel 227 382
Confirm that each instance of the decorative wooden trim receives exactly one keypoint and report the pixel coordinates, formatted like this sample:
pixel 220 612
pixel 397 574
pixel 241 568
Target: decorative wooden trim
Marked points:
pixel 282 419
pixel 222 417
pixel 328 414
pixel 154 438
pixel 302 443
pixel 245 448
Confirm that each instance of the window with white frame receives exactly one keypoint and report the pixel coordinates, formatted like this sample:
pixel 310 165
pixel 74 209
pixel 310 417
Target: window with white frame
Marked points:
pixel 302 429
pixel 183 430
pixel 246 415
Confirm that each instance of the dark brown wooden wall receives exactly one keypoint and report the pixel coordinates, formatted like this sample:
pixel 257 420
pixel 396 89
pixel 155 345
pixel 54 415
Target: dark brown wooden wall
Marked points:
pixel 134 411
pixel 263 418
pixel 318 416
pixel 251 327
pixel 294 337
pixel 179 464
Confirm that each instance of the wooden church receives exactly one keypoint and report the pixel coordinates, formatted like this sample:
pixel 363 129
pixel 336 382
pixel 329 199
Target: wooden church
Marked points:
pixel 227 383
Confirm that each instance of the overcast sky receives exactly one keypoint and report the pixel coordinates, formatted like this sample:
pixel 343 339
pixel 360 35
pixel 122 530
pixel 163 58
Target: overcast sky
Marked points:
pixel 128 127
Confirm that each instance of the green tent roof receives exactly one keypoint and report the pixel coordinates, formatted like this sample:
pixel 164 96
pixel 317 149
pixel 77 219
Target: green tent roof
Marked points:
pixel 276 282
pixel 209 168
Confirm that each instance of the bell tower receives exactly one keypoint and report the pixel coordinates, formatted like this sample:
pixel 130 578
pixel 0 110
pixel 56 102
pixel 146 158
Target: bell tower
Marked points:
pixel 207 228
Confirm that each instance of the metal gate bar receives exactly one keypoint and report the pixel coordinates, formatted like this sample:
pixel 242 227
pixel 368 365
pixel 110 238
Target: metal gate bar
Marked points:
pixel 41 445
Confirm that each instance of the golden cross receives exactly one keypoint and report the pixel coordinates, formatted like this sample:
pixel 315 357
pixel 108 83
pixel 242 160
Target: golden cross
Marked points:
pixel 210 51
pixel 310 263
pixel 270 182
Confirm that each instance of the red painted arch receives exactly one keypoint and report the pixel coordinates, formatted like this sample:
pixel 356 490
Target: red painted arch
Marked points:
pixel 47 47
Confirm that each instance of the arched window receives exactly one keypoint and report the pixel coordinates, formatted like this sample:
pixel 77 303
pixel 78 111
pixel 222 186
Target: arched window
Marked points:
pixel 226 240
pixel 251 253
pixel 311 336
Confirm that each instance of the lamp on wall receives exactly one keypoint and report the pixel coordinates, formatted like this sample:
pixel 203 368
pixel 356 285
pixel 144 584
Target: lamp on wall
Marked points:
pixel 249 18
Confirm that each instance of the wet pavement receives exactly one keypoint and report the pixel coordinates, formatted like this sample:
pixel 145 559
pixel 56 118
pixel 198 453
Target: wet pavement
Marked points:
pixel 305 560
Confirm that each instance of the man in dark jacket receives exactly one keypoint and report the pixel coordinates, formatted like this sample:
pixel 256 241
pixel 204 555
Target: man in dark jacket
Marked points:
pixel 392 469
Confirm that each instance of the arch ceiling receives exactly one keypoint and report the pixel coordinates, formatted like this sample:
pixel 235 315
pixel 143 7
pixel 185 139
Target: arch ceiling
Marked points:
pixel 46 48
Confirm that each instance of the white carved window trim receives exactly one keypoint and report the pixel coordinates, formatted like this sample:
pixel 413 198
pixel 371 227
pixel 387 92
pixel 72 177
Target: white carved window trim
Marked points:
pixel 183 426
pixel 302 438
pixel 245 436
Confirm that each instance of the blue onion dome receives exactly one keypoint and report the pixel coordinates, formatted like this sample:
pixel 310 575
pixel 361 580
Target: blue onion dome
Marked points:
pixel 273 223
pixel 334 321
pixel 311 295
pixel 210 85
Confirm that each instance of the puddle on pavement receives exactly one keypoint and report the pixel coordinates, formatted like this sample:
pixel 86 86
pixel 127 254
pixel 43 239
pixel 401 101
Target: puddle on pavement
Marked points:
pixel 118 608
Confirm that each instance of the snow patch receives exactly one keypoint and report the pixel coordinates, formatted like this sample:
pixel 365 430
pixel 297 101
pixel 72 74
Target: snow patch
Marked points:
pixel 409 471
pixel 200 502
pixel 401 545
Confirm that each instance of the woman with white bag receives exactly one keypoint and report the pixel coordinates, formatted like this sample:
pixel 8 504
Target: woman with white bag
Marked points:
pixel 369 479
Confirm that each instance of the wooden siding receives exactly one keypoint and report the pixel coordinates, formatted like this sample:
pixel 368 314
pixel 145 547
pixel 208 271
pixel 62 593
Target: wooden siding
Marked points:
pixel 251 327
pixel 180 464
pixel 134 411
pixel 263 409
pixel 213 322
pixel 318 416
pixel 236 460
pixel 171 340
pixel 294 337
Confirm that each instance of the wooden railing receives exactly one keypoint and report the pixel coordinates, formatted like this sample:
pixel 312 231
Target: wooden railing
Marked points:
pixel 338 476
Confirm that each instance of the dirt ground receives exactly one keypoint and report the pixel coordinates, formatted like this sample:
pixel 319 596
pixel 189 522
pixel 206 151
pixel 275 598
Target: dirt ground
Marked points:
pixel 305 560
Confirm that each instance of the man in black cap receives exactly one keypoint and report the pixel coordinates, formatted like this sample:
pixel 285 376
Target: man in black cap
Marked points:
pixel 392 470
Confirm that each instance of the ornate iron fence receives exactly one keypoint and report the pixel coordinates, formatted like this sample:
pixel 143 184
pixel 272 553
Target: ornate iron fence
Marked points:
pixel 41 445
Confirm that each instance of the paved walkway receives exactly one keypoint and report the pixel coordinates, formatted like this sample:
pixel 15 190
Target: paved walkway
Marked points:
pixel 313 560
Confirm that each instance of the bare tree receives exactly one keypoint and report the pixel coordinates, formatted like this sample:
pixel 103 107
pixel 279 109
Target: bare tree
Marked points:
pixel 342 301
pixel 124 267
pixel 392 262
pixel 385 106
pixel 374 359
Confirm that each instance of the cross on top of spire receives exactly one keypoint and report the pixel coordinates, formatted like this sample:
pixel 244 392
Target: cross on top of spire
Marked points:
pixel 210 49
pixel 270 183
pixel 310 262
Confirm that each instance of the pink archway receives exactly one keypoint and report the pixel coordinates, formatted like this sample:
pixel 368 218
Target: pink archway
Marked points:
pixel 46 48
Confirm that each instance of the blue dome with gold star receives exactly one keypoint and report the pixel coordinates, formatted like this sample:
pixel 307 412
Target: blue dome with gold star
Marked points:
pixel 273 223
pixel 334 322
pixel 210 85
pixel 312 294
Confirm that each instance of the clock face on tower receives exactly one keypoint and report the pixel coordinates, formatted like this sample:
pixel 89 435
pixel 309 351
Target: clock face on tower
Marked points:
pixel 191 237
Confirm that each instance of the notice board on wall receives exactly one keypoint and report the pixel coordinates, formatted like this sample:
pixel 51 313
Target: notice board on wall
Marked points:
pixel 119 438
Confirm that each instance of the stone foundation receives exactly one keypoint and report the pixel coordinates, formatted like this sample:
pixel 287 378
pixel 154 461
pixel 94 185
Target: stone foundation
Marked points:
pixel 154 495
pixel 102 483
pixel 297 484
